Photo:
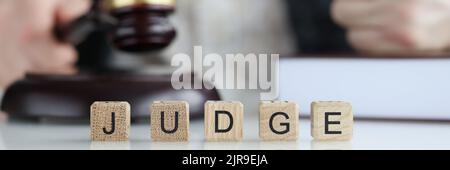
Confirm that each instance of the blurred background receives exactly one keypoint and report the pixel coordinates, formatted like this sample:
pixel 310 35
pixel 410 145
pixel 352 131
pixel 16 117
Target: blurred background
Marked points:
pixel 379 49
pixel 284 27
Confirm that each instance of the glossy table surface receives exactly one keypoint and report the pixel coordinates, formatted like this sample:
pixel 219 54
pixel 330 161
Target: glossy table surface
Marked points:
pixel 367 135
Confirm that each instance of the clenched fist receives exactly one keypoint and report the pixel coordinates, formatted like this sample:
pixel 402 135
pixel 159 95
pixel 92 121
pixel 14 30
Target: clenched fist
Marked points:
pixel 27 44
pixel 395 26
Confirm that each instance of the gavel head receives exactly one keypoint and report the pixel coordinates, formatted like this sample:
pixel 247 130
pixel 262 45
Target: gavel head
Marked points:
pixel 142 25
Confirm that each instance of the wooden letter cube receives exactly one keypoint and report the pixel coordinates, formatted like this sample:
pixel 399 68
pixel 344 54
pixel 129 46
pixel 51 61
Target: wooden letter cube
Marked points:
pixel 224 121
pixel 110 121
pixel 331 121
pixel 278 120
pixel 170 121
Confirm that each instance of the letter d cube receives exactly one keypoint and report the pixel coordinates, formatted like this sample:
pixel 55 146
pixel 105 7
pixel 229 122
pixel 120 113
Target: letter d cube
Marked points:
pixel 224 121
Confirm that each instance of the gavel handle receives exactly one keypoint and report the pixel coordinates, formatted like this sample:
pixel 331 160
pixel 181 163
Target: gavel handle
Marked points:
pixel 76 31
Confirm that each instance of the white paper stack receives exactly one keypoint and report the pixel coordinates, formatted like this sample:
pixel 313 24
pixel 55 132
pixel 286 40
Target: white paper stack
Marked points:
pixel 377 88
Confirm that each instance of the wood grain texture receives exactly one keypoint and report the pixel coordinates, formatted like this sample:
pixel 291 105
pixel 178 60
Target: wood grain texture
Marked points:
pixel 236 109
pixel 166 129
pixel 102 128
pixel 278 121
pixel 339 114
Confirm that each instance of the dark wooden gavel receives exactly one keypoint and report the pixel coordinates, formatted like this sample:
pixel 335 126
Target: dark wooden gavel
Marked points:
pixel 133 25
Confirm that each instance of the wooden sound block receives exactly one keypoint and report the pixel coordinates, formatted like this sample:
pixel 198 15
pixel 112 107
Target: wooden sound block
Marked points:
pixel 224 121
pixel 278 120
pixel 110 121
pixel 331 120
pixel 170 121
pixel 34 97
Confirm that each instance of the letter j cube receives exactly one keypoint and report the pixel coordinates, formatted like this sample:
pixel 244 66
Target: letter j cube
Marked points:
pixel 331 120
pixel 110 121
pixel 224 121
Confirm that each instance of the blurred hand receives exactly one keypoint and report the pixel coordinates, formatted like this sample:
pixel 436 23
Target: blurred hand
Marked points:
pixel 395 26
pixel 27 44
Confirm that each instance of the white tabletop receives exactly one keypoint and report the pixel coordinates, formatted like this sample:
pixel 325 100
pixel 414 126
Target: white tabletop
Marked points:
pixel 367 135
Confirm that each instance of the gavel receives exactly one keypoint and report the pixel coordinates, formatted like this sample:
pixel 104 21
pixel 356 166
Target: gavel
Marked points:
pixel 138 27
pixel 132 25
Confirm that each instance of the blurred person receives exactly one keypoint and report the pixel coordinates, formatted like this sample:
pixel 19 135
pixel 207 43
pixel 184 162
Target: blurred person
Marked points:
pixel 27 43
pixel 371 26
